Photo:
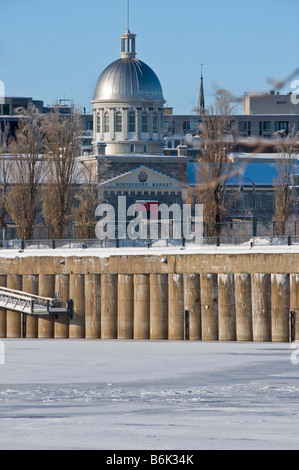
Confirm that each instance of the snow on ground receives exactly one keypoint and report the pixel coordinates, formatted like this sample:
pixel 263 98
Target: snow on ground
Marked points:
pixel 152 395
pixel 259 247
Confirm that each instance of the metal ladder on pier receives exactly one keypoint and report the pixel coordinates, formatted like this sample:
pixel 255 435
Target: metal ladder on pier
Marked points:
pixel 30 304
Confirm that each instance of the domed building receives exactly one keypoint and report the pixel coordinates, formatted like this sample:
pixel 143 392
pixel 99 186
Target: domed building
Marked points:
pixel 128 105
pixel 128 158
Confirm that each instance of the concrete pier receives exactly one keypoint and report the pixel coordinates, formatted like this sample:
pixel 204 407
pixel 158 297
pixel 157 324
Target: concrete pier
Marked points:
pixel 46 289
pixel 229 297
pixel 30 285
pixel 92 306
pixel 2 311
pixel 280 304
pixel 294 299
pixel 14 319
pixel 125 309
pixel 77 293
pixel 243 305
pixel 261 307
pixel 209 307
pixel 158 306
pixel 176 324
pixel 141 306
pixel 226 307
pixel 62 288
pixel 193 304
pixel 109 289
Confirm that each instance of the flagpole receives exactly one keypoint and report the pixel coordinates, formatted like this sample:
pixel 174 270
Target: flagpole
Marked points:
pixel 128 15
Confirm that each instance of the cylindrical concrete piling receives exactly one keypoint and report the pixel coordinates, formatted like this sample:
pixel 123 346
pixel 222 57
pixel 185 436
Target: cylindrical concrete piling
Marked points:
pixel 141 306
pixel 125 301
pixel 92 306
pixel 158 306
pixel 226 307
pixel 294 299
pixel 109 306
pixel 46 289
pixel 30 286
pixel 192 304
pixel 176 311
pixel 209 307
pixel 196 296
pixel 261 307
pixel 77 323
pixel 14 319
pixel 243 307
pixel 61 324
pixel 280 304
pixel 2 310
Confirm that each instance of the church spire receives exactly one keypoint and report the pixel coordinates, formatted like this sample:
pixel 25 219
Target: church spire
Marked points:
pixel 201 100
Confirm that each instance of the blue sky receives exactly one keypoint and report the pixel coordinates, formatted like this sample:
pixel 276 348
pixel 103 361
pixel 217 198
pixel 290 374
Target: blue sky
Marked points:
pixel 56 49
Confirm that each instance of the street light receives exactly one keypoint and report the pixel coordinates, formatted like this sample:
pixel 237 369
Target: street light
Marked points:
pixel 253 206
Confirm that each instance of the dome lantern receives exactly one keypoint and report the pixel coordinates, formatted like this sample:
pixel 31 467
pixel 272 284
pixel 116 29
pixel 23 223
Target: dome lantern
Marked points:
pixel 128 48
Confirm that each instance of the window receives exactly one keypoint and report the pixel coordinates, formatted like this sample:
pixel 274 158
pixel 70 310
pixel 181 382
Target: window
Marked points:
pixel 145 148
pixel 6 110
pixel 132 148
pixel 245 126
pixel 118 122
pixel 144 122
pixel 98 123
pixel 167 126
pixel 258 204
pixel 106 122
pixel 89 125
pixel 269 201
pixel 132 122
pixel 245 200
pixel 282 126
pixel 188 126
pixel 265 126
pixel 155 122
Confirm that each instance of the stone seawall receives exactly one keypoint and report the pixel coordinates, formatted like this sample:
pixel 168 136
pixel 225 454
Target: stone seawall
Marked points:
pixel 229 297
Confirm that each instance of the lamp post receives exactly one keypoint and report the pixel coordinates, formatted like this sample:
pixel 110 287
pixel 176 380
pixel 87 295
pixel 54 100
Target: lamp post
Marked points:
pixel 253 206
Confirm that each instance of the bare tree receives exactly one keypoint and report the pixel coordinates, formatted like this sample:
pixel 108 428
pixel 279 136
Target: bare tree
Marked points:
pixel 26 172
pixel 88 196
pixel 215 167
pixel 286 166
pixel 62 146
pixel 5 164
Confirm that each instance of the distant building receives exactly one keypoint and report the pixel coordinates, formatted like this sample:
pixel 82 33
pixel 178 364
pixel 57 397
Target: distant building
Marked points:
pixel 150 151
pixel 10 116
pixel 128 133
pixel 269 103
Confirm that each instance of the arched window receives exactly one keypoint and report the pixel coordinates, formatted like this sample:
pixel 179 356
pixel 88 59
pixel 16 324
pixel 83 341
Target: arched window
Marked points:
pixel 106 122
pixel 155 122
pixel 144 122
pixel 118 122
pixel 132 122
pixel 98 123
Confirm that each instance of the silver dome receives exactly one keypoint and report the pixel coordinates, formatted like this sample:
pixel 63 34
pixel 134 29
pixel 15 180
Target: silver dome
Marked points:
pixel 128 79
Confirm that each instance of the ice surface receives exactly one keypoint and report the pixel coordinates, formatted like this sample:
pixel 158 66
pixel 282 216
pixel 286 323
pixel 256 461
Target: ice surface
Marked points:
pixel 159 395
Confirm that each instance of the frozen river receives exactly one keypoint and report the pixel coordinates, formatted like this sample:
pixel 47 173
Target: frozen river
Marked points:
pixel 80 394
